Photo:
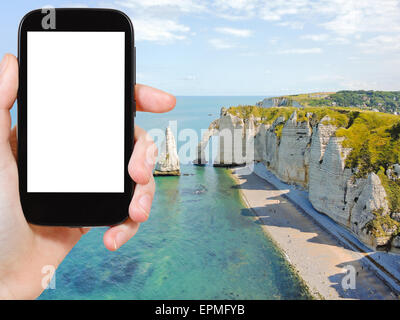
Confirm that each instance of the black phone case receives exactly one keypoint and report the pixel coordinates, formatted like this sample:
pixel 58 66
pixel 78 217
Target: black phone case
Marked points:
pixel 76 209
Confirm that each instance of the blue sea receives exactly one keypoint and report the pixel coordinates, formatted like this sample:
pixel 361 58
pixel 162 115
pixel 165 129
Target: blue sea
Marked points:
pixel 200 242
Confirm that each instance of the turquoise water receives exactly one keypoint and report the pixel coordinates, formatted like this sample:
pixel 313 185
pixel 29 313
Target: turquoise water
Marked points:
pixel 199 242
pixel 193 112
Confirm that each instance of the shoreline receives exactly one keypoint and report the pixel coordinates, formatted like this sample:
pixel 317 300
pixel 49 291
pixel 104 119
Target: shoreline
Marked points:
pixel 319 257
pixel 316 295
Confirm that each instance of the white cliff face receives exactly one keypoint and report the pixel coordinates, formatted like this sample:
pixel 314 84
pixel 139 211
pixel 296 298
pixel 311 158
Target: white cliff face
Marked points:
pixel 277 102
pixel 371 199
pixel 272 145
pixel 292 166
pixel 396 244
pixel 168 161
pixel 260 147
pixel 314 158
pixel 320 138
pixel 229 140
pixel 201 148
pixel 328 180
pixel 233 136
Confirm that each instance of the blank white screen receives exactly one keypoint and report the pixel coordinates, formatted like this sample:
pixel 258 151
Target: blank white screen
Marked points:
pixel 75 111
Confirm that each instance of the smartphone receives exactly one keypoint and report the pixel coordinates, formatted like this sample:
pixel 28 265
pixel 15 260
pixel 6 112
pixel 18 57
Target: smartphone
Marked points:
pixel 76 109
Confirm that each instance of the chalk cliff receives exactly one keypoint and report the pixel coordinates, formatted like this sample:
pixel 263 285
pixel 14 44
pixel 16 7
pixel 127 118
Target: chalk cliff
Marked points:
pixel 278 102
pixel 308 153
pixel 168 161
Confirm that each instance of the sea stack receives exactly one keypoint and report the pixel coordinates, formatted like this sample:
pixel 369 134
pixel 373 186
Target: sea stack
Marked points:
pixel 168 161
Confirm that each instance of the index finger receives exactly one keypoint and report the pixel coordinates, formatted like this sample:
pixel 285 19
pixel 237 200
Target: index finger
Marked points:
pixel 150 99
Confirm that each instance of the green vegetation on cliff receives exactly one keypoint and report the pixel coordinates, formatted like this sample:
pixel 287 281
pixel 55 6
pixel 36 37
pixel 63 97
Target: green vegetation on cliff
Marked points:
pixel 392 189
pixel 339 117
pixel 373 146
pixel 382 225
pixel 383 101
pixel 264 115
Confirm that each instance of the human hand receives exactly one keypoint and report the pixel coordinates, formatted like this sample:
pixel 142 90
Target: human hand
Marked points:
pixel 24 248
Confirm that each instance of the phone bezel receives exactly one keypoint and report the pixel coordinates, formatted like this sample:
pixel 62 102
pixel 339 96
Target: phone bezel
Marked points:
pixel 76 209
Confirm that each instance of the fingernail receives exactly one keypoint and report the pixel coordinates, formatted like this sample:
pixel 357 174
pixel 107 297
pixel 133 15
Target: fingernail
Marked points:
pixel 3 63
pixel 151 157
pixel 150 162
pixel 145 204
pixel 120 239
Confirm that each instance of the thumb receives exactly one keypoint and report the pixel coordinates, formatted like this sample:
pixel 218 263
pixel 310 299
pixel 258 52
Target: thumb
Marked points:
pixel 8 94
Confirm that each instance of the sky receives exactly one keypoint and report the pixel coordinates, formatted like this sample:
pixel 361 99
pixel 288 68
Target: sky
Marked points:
pixel 253 47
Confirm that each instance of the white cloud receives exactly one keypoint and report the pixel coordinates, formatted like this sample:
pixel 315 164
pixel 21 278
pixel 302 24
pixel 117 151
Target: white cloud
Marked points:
pixel 221 44
pixel 349 17
pixel 326 38
pixel 190 77
pixel 231 17
pixel 159 20
pixel 381 44
pixel 244 33
pixel 248 54
pixel 361 85
pixel 270 10
pixel 315 37
pixel 344 18
pixel 353 82
pixel 236 9
pixel 174 5
pixel 340 40
pixel 297 25
pixel 325 78
pixel 301 51
pixel 273 41
pixel 77 5
pixel 159 30
pixel 278 9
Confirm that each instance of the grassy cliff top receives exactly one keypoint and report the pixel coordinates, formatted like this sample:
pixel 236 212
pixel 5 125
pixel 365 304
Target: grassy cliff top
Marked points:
pixel 339 116
pixel 384 101
pixel 374 137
